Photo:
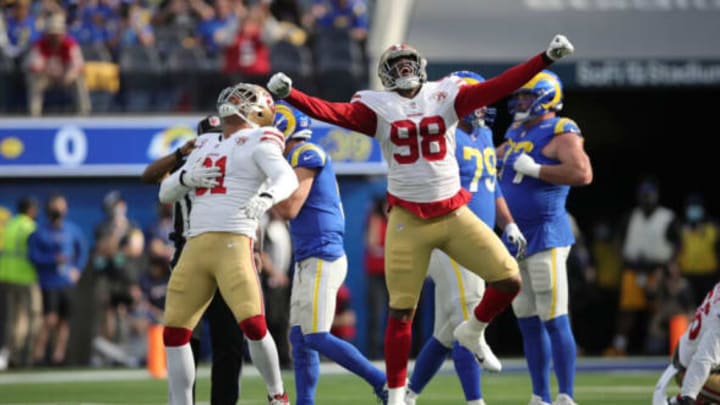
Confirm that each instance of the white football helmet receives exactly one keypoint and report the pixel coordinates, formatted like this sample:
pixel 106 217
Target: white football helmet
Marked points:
pixel 248 101
pixel 402 67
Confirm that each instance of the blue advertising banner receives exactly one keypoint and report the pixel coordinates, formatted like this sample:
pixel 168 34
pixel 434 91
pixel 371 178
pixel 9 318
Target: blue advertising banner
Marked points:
pixel 123 146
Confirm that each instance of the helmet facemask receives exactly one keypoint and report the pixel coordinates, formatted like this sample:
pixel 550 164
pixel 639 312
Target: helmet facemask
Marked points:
pixel 402 68
pixel 546 92
pixel 250 102
pixel 516 107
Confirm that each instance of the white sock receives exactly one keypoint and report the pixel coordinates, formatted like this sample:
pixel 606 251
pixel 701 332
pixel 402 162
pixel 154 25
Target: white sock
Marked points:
pixel 476 402
pixel 476 326
pixel 265 358
pixel 411 394
pixel 396 395
pixel 181 374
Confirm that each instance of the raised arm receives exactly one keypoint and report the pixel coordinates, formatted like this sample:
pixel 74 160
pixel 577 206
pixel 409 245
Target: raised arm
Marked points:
pixel 353 116
pixel 472 97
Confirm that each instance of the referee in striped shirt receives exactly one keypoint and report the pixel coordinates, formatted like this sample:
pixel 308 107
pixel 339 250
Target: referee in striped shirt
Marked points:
pixel 226 336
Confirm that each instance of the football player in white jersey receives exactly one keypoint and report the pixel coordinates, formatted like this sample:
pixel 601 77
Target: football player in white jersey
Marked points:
pixel 414 121
pixel 231 180
pixel 696 363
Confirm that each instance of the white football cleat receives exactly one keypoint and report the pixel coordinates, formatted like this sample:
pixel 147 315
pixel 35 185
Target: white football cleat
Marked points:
pixel 279 399
pixel 536 400
pixel 475 342
pixel 564 399
pixel 410 396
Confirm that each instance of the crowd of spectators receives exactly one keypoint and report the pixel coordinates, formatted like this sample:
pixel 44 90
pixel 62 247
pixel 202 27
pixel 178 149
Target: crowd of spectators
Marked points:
pixel 173 55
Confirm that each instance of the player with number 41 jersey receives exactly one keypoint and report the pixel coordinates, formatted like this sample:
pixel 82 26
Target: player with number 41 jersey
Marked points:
pixel 231 179
pixel 414 121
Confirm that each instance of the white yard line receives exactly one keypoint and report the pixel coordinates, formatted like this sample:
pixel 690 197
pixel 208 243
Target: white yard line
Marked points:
pixel 650 364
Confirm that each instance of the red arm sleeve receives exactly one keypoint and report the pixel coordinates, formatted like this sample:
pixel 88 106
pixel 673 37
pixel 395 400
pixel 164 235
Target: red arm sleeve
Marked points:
pixel 478 95
pixel 354 116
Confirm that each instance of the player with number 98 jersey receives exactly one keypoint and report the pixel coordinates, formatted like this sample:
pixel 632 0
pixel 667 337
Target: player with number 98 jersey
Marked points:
pixel 414 121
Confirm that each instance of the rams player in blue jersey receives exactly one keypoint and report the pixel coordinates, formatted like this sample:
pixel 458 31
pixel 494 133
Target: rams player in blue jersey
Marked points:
pixel 317 226
pixel 543 155
pixel 457 291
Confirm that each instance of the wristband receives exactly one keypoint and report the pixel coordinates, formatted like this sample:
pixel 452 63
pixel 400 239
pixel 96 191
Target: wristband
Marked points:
pixel 547 60
pixel 178 155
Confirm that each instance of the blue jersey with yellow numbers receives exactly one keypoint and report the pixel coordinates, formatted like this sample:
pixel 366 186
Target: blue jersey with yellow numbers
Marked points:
pixel 318 229
pixel 475 154
pixel 537 206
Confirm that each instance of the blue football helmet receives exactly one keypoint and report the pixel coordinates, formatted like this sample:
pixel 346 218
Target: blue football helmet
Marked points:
pixel 293 123
pixel 546 90
pixel 483 116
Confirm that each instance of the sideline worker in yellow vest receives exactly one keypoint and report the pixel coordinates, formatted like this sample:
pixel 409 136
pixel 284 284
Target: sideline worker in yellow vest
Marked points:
pixel 699 247
pixel 19 291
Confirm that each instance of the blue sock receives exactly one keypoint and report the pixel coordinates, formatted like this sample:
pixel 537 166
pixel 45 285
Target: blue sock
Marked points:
pixel 563 353
pixel 536 344
pixel 306 362
pixel 428 362
pixel 346 355
pixel 468 371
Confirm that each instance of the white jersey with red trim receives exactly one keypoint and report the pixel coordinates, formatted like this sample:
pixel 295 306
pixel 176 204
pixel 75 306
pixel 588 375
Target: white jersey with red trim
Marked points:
pixel 705 322
pixel 417 136
pixel 219 209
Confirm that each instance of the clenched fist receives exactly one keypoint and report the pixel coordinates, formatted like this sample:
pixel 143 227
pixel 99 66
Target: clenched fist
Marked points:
pixel 559 47
pixel 280 85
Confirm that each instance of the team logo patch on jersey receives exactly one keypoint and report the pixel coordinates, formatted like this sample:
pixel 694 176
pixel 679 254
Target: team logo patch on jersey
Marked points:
pixel 440 96
pixel 241 140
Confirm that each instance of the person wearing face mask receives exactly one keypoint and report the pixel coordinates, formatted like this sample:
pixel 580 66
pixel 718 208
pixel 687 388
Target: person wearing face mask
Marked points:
pixel 699 247
pixel 649 248
pixel 59 251
pixel 116 220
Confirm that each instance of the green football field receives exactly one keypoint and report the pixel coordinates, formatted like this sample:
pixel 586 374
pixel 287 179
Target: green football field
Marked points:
pixel 121 387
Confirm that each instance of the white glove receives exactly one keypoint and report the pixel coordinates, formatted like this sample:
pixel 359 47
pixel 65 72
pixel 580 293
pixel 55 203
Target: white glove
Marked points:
pixel 280 85
pixel 514 236
pixel 525 165
pixel 257 206
pixel 559 47
pixel 200 176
